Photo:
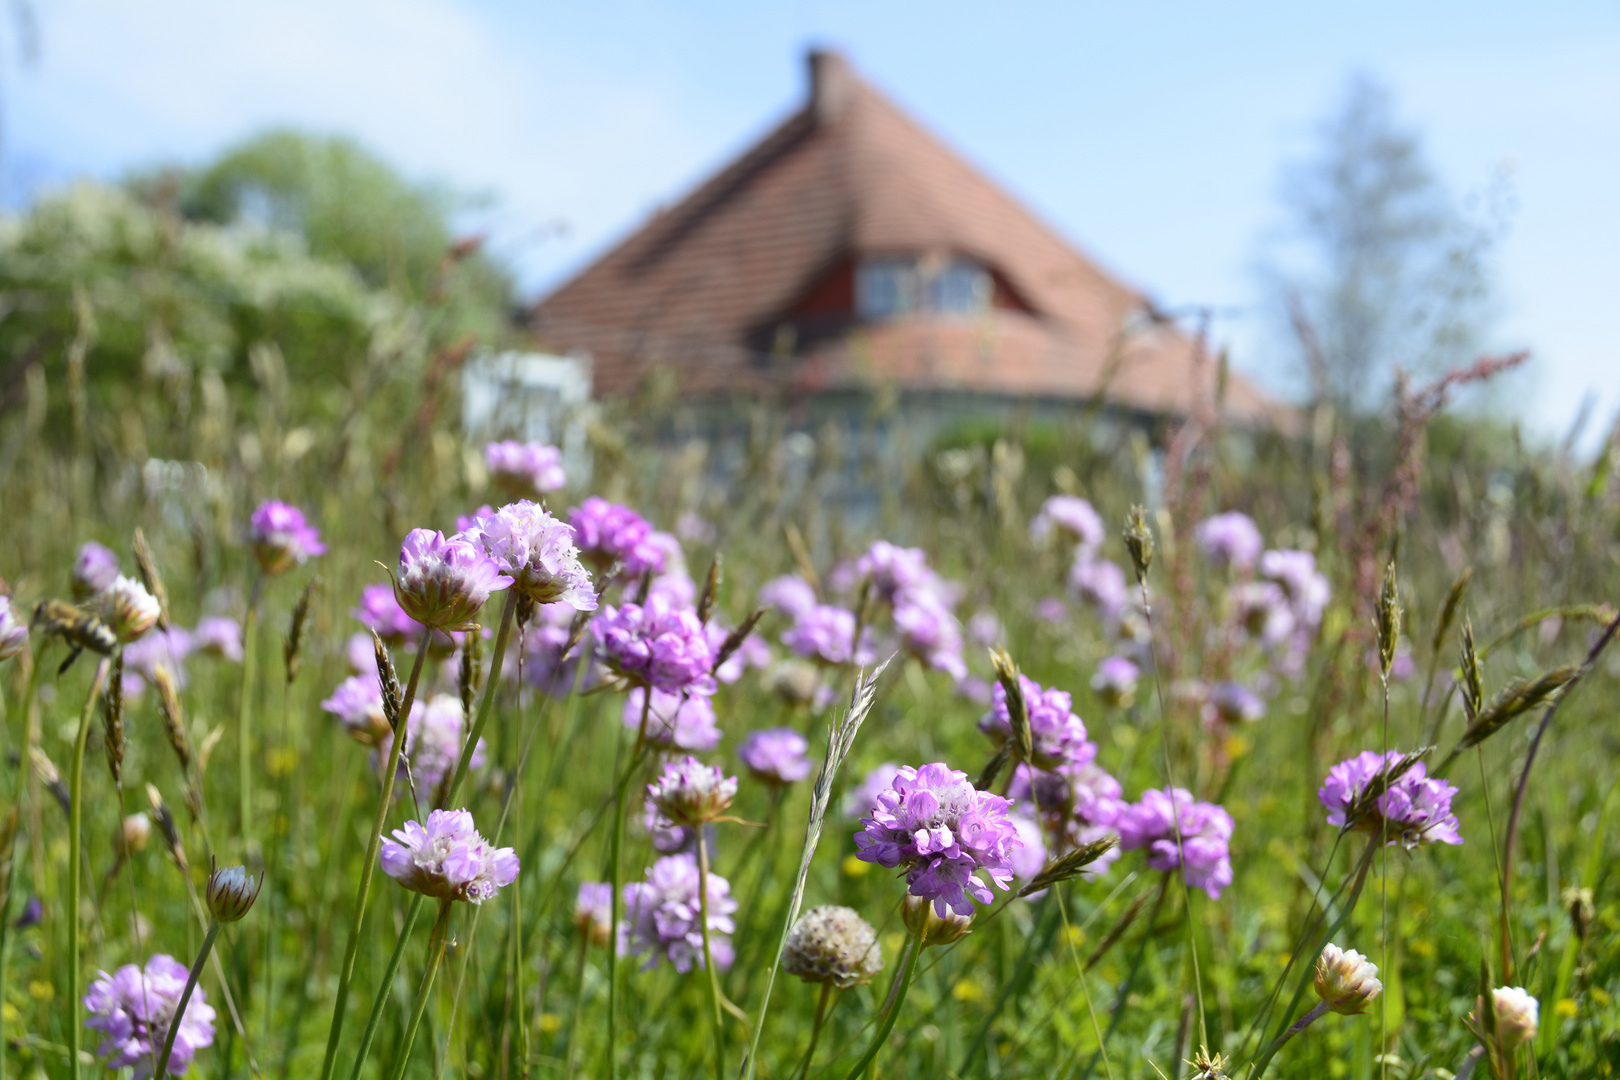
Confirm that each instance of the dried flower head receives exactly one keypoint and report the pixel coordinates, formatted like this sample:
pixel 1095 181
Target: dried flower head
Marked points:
pixel 231 892
pixel 281 538
pixel 537 552
pixel 689 792
pixel 127 609
pixel 1346 980
pixel 832 945
pixel 134 1009
pixel 132 834
pixel 447 859
pixel 444 581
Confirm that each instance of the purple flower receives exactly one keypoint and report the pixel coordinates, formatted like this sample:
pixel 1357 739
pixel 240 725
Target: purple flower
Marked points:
pixel 1414 810
pixel 1115 680
pixel 444 581
pixel 1072 516
pixel 360 653
pixel 895 571
pixel 358 704
pixel 1078 805
pixel 1231 539
pixel 1030 859
pixel 281 539
pixel 790 594
pixel 33 913
pixel 1051 609
pixel 1263 611
pixel 941 831
pixel 13 631
pixel 664 916
pixel 467 521
pixel 689 792
pixel 447 859
pixel 984 628
pixel 608 533
pixel 159 648
pixel 1101 584
pixel 525 469
pixel 544 640
pixel 379 610
pixel 433 737
pixel 1057 734
pixel 752 651
pixel 593 911
pixel 1233 703
pixel 694 528
pixel 221 636
pixel 1308 590
pixel 94 570
pixel 930 632
pixel 536 551
pixel 656 644
pixel 863 799
pixel 134 1009
pixel 684 721
pixel 776 755
pixel 1204 831
pixel 825 634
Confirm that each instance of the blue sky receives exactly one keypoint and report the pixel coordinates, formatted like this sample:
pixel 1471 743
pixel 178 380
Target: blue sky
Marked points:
pixel 1150 135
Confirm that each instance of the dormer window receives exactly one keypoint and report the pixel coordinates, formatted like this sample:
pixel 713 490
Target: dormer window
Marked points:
pixel 890 287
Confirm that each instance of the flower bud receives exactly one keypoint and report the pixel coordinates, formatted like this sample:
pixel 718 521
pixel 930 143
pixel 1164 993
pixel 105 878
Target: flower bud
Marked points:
pixel 132 835
pixel 231 892
pixel 691 793
pixel 922 920
pixel 593 912
pixel 1517 1016
pixel 1346 980
pixel 128 609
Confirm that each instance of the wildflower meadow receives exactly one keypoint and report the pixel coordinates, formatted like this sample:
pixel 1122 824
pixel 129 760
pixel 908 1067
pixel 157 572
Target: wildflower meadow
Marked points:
pixel 340 743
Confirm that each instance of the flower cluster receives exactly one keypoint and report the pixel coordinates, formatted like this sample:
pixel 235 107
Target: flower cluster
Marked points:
pixel 13 631
pixel 1231 539
pixel 1414 809
pixel 777 756
pixel 433 737
pixel 1057 733
pixel 1115 680
pixel 537 552
pixel 921 604
pixel 1078 805
pixel 379 611
pixel 656 644
pixel 608 533
pixel 1072 517
pixel 447 859
pixel 790 594
pixel 677 721
pixel 664 918
pixel 1101 585
pixel 281 538
pixel 444 581
pixel 134 1008
pixel 689 792
pixel 826 634
pixel 95 568
pixel 832 945
pixel 933 824
pixel 1231 703
pixel 358 704
pixel 593 911
pixel 1203 829
pixel 525 469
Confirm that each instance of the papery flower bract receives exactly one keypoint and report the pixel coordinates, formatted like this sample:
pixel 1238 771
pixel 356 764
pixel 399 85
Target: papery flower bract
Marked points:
pixel 934 927
pixel 1115 680
pixel 832 945
pixel 444 581
pixel 447 859
pixel 221 636
pixel 525 468
pixel 681 721
pixel 593 911
pixel 13 631
pixel 95 568
pixel 776 755
pixel 664 917
pixel 790 594
pixel 656 644
pixel 281 538
pixel 1057 733
pixel 379 610
pixel 1230 539
pixel 1072 516
pixel 1415 809
pixel 358 704
pixel 937 827
pixel 127 608
pixel 1204 831
pixel 433 738
pixel 608 533
pixel 1518 1015
pixel 1346 980
pixel 537 552
pixel 689 792
pixel 134 1008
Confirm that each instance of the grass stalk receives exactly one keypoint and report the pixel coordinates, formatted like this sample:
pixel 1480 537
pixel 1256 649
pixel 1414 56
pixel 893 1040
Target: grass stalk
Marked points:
pixel 902 984
pixel 425 992
pixel 708 957
pixel 75 851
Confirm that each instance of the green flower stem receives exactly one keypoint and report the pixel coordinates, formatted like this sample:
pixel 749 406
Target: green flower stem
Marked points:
pixel 244 712
pixel 491 681
pixel 435 954
pixel 815 1031
pixel 615 847
pixel 185 998
pixel 384 800
pixel 708 955
pixel 385 984
pixel 1299 1025
pixel 75 849
pixel 887 1026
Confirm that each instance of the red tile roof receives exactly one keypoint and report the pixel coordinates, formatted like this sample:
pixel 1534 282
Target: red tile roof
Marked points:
pixel 738 286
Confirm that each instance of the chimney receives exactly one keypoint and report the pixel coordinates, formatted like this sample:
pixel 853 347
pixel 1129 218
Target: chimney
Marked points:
pixel 832 84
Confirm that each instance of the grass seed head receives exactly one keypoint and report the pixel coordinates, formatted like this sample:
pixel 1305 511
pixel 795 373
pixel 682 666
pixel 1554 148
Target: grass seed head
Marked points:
pixel 1139 542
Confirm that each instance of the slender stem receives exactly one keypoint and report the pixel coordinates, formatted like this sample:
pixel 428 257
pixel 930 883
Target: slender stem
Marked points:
pixel 579 996
pixel 435 954
pixel 491 681
pixel 1123 996
pixel 615 845
pixel 1300 1025
pixel 887 1026
pixel 185 999
pixel 244 711
pixel 815 1031
pixel 708 956
pixel 75 848
pixel 385 984
pixel 363 897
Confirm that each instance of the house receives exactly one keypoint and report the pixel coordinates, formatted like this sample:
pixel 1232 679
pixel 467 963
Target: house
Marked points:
pixel 849 251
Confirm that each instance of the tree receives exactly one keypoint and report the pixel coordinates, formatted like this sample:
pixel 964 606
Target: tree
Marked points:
pixel 1380 267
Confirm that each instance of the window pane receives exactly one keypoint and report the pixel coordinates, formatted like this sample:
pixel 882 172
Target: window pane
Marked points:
pixel 962 287
pixel 885 288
